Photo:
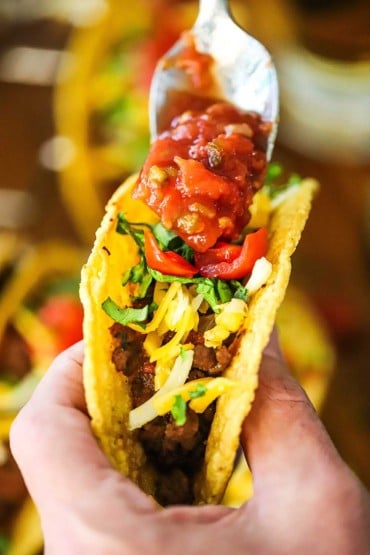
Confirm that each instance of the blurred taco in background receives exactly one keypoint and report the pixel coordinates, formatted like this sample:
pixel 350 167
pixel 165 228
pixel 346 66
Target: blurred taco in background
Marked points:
pixel 40 315
pixel 307 348
pixel 180 295
pixel 26 536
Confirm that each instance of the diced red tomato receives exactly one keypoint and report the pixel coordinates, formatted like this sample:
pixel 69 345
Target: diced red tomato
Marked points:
pixel 168 262
pixel 254 247
pixel 195 180
pixel 195 64
pixel 222 252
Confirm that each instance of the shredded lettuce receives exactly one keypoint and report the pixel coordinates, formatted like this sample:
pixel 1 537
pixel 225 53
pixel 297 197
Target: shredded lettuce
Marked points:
pixel 214 291
pixel 240 291
pixel 124 227
pixel 166 238
pixel 163 235
pixel 224 291
pixel 127 315
pixel 135 274
pixel 207 288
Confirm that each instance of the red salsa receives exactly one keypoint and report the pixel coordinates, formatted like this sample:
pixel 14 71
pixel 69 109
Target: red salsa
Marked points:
pixel 201 174
pixel 196 64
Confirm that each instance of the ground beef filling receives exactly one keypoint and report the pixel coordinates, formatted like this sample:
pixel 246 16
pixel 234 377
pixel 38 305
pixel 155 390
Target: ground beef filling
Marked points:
pixel 175 451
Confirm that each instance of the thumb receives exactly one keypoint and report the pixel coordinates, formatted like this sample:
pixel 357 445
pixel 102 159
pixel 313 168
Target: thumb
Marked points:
pixel 283 438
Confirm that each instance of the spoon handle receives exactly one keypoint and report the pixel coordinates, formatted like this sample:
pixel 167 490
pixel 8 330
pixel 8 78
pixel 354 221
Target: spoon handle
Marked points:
pixel 212 8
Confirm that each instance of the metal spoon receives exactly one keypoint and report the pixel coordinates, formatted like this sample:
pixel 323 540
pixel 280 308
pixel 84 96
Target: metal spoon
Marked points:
pixel 245 74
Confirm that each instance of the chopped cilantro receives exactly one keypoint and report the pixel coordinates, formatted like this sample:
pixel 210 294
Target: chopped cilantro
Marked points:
pixel 126 277
pixel 152 307
pixel 199 391
pixel 204 286
pixel 178 410
pixel 127 315
pixel 169 241
pixel 138 274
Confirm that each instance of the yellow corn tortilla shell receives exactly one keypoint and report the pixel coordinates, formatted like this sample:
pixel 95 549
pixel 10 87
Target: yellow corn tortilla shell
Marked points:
pixel 106 389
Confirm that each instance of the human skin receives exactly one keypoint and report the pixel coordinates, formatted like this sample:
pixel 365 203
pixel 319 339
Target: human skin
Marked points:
pixel 306 500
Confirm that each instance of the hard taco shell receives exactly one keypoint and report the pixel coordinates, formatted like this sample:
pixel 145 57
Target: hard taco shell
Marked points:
pixel 106 389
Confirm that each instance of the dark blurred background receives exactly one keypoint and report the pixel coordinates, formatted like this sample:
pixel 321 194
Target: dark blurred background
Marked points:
pixel 73 91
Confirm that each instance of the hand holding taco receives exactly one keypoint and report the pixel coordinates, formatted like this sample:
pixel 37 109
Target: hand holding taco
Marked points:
pixel 301 484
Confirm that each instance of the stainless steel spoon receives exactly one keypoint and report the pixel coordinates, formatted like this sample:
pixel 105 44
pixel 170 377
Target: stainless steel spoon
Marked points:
pixel 243 68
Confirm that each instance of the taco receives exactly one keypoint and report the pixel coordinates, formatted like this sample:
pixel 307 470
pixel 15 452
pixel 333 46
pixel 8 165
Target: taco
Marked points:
pixel 180 294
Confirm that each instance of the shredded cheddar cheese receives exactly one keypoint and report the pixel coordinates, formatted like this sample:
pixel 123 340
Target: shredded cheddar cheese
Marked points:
pixel 177 377
pixel 260 210
pixel 228 321
pixel 178 312
pixel 214 387
pixel 161 311
pixel 162 372
pixel 152 343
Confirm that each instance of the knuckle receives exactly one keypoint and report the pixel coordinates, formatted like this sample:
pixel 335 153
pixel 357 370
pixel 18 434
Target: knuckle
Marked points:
pixel 280 385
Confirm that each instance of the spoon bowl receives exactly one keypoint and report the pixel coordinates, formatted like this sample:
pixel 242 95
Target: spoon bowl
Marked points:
pixel 243 71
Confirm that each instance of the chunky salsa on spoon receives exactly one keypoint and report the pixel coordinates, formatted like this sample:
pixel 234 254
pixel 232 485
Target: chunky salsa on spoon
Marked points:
pixel 201 174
